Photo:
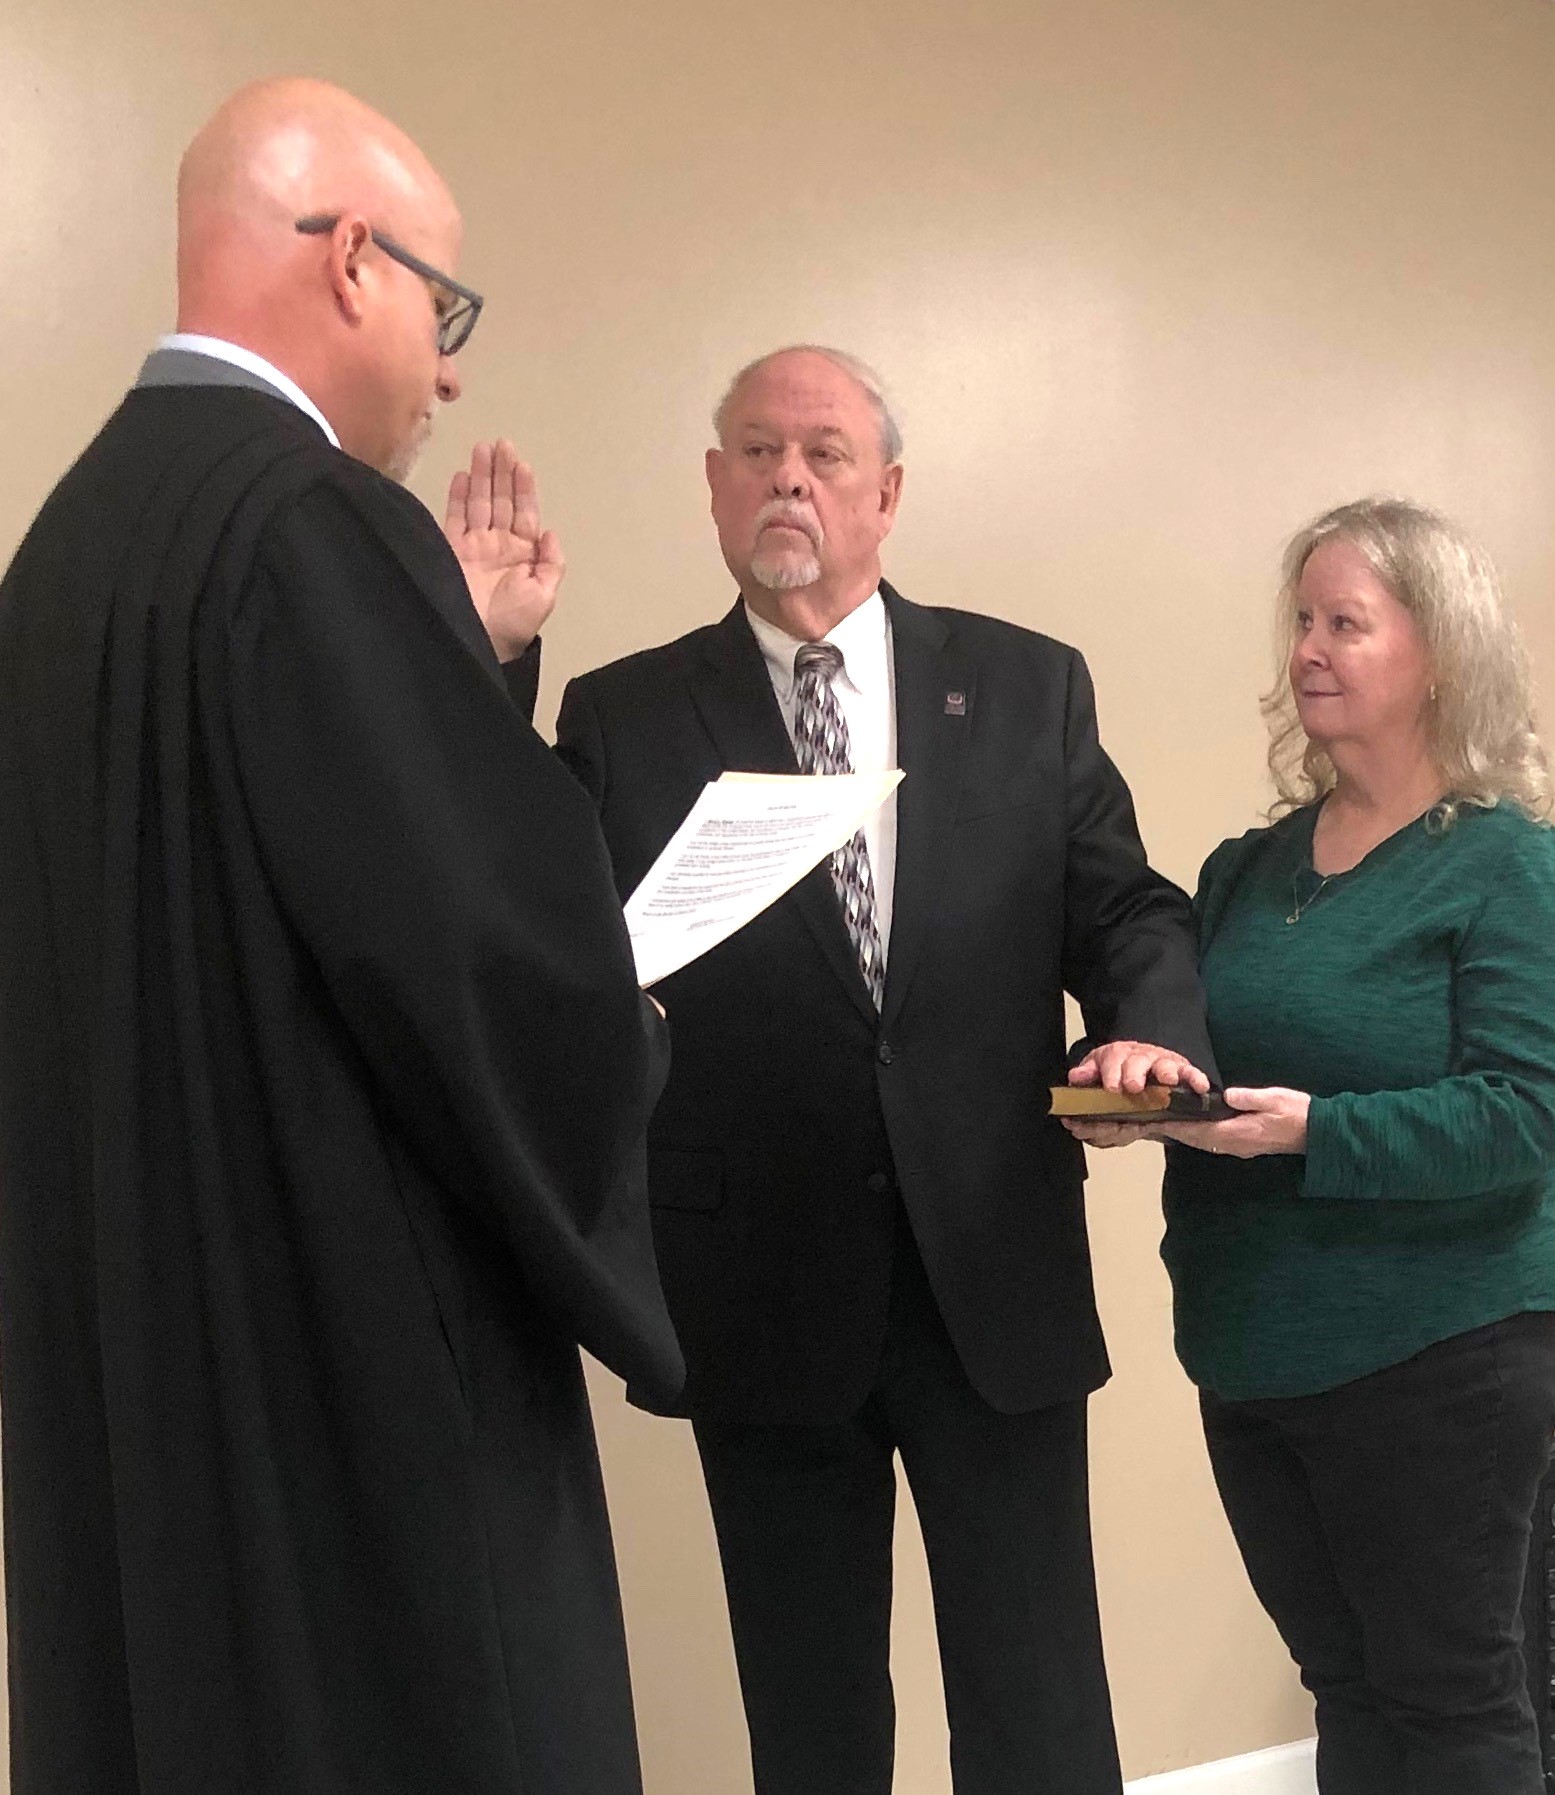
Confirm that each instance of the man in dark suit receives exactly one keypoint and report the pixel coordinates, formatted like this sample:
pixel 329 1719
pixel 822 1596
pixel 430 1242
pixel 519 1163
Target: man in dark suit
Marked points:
pixel 871 1238
pixel 323 1068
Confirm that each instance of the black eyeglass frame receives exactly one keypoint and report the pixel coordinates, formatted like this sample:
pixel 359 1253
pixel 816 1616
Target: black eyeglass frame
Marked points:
pixel 454 327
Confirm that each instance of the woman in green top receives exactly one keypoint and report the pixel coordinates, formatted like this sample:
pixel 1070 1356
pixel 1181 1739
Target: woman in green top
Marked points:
pixel 1363 1262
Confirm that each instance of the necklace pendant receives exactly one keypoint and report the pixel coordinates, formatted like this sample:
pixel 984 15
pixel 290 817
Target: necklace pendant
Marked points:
pixel 1299 904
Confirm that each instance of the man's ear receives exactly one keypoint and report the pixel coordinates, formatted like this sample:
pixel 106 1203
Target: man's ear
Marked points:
pixel 890 493
pixel 713 464
pixel 348 240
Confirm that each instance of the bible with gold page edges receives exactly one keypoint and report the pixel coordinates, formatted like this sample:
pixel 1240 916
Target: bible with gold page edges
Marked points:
pixel 1155 1103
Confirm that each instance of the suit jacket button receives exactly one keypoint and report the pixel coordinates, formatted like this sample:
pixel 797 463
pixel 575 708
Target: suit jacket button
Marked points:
pixel 885 1053
pixel 878 1183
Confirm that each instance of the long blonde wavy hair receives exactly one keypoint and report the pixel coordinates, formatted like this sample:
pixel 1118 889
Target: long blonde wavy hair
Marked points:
pixel 1481 723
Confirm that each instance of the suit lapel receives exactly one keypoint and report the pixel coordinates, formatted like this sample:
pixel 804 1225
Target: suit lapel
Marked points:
pixel 934 703
pixel 733 694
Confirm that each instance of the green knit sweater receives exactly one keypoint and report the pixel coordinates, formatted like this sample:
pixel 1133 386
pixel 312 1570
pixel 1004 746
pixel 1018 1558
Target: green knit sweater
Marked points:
pixel 1415 1000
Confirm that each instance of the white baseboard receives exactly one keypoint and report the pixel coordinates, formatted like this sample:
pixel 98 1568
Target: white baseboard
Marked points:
pixel 1282 1770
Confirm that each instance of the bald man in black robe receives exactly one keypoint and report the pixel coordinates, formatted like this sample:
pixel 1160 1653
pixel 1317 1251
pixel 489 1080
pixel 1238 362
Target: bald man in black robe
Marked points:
pixel 323 1068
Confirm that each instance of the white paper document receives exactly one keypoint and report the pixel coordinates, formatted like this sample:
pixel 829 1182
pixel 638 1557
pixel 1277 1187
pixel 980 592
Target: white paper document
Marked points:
pixel 749 837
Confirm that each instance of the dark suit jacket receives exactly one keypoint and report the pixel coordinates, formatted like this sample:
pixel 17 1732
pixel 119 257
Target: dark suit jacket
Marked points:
pixel 794 1116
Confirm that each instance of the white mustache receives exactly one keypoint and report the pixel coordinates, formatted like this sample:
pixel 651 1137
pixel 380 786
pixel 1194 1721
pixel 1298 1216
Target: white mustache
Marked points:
pixel 795 516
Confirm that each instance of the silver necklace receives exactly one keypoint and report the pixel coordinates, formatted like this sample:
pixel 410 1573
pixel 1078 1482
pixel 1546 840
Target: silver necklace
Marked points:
pixel 1301 904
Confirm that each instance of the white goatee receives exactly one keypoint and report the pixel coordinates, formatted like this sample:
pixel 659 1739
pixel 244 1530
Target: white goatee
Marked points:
pixel 785 569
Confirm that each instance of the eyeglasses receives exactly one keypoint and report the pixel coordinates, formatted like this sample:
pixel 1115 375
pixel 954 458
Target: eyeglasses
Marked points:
pixel 458 307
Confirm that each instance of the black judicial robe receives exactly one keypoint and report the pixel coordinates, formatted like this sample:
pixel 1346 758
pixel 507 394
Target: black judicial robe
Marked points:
pixel 323 1082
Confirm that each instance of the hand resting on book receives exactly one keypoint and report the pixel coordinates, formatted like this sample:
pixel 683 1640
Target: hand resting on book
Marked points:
pixel 1272 1120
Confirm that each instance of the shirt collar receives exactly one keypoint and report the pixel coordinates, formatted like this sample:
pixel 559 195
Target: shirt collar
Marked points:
pixel 219 349
pixel 859 637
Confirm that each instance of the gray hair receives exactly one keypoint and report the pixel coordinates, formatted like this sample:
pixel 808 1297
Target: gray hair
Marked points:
pixel 859 371
pixel 1481 723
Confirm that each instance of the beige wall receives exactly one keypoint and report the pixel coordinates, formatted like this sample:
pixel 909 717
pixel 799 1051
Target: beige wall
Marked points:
pixel 1152 282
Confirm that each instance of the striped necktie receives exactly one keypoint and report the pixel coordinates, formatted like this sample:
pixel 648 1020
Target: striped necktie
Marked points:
pixel 821 744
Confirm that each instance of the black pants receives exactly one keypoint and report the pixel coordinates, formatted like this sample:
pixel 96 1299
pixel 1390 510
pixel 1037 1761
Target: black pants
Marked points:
pixel 804 1520
pixel 1385 1527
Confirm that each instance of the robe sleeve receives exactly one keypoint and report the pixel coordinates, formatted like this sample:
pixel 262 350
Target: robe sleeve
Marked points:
pixel 522 678
pixel 449 881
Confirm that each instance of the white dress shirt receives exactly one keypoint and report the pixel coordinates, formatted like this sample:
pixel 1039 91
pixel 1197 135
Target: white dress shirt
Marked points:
pixel 866 696
pixel 221 350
